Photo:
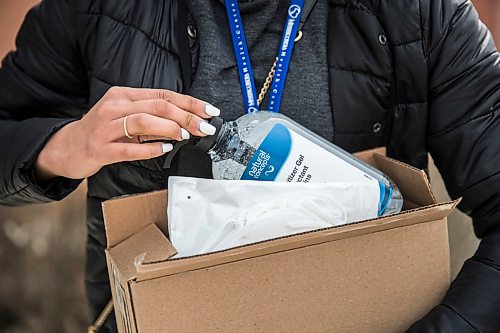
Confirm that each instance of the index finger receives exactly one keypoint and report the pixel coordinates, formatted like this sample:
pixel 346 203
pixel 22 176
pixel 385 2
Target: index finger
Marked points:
pixel 185 102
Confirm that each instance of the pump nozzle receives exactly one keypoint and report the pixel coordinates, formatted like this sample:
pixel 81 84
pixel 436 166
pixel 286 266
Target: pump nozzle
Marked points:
pixel 204 143
pixel 170 156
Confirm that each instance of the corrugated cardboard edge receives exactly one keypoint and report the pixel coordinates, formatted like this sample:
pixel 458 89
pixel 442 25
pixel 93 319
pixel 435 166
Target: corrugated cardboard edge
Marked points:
pixel 377 158
pixel 367 155
pixel 152 270
pixel 397 170
pixel 147 245
pixel 122 219
pixel 122 300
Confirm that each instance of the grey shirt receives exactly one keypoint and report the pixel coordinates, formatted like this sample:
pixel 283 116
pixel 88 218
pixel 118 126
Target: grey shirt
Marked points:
pixel 306 96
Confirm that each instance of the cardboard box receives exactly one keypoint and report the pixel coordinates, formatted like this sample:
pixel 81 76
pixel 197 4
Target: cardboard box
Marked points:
pixel 379 275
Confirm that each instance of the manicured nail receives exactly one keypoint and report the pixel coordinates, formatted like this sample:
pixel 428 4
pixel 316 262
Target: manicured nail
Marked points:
pixel 185 134
pixel 212 110
pixel 207 128
pixel 166 147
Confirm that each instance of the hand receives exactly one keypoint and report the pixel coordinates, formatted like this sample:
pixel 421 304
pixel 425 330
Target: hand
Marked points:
pixel 81 148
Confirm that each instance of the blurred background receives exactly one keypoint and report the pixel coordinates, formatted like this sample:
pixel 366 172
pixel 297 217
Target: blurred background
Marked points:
pixel 42 247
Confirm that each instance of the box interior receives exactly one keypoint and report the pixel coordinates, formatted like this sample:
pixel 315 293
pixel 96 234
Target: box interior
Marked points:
pixel 136 226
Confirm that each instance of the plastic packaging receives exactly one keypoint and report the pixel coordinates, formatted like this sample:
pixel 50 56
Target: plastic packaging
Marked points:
pixel 207 215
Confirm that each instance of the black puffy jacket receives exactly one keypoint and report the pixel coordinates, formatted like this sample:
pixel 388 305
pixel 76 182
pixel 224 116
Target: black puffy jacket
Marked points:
pixel 416 76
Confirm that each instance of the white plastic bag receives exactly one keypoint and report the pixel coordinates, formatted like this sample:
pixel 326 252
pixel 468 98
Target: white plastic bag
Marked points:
pixel 207 215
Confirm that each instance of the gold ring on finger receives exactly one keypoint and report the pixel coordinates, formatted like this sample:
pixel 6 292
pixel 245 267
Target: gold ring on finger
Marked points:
pixel 125 128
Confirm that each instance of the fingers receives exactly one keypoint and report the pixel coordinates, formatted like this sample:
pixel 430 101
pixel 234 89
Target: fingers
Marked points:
pixel 188 103
pixel 119 152
pixel 151 114
pixel 163 109
pixel 152 138
pixel 143 124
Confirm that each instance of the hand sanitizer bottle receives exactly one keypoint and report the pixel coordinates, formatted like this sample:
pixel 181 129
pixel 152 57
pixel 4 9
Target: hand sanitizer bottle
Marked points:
pixel 269 146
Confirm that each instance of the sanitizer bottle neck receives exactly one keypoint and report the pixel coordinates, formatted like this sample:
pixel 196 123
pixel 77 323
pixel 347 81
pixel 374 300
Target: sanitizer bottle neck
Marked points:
pixel 228 145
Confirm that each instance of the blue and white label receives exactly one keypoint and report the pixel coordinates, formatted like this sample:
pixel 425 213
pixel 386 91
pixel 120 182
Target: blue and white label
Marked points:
pixel 287 156
pixel 269 158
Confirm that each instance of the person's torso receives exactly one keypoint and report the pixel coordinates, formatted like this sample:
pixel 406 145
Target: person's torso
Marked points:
pixel 373 72
pixel 306 97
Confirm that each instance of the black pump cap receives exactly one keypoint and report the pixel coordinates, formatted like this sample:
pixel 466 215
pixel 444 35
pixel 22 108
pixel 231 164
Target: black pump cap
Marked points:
pixel 170 156
pixel 204 144
pixel 207 142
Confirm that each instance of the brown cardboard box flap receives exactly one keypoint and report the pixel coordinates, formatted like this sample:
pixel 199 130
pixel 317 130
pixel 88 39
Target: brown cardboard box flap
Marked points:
pixel 151 270
pixel 412 182
pixel 367 155
pixel 147 245
pixel 127 215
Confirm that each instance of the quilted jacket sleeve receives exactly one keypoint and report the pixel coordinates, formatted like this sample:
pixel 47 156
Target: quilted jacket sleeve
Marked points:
pixel 42 88
pixel 464 140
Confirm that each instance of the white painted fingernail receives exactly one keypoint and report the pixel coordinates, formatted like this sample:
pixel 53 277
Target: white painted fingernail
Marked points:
pixel 212 110
pixel 166 147
pixel 207 128
pixel 185 134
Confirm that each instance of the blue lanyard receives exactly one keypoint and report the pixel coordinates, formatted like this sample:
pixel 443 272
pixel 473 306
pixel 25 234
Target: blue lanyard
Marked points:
pixel 242 56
